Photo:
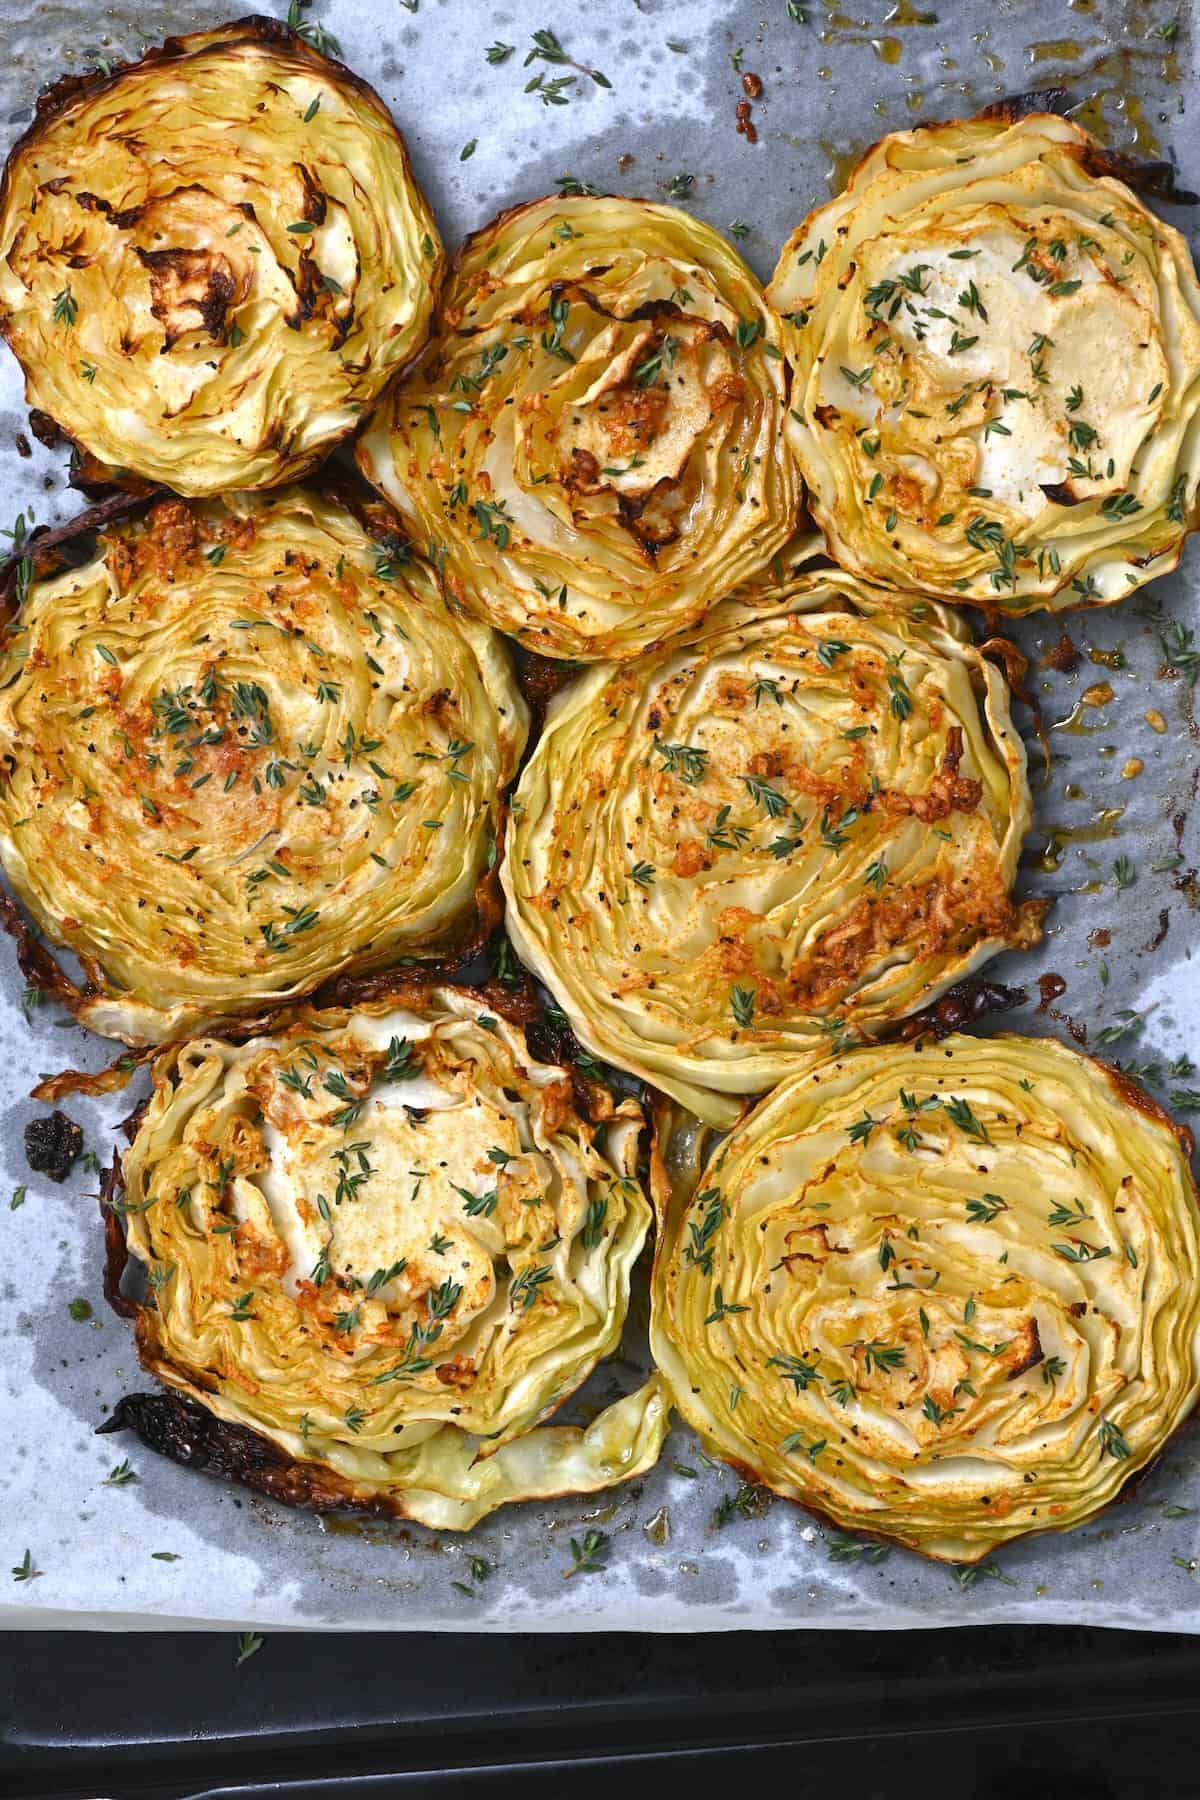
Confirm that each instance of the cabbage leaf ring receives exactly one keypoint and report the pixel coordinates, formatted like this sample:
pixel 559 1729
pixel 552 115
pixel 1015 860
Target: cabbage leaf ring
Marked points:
pixel 213 260
pixel 947 1293
pixel 247 747
pixel 592 445
pixel 996 352
pixel 795 826
pixel 386 1241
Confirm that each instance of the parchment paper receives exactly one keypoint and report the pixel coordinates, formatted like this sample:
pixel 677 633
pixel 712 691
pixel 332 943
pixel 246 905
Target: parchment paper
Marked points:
pixel 829 90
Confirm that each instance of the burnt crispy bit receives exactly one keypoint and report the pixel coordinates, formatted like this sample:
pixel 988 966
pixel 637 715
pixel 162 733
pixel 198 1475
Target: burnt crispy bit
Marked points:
pixel 961 1005
pixel 1024 1350
pixel 52 1145
pixel 540 678
pixel 1034 100
pixel 1146 176
pixel 1050 987
pixel 189 1434
pixel 44 428
pixel 190 290
pixel 1063 656
pixel 1061 493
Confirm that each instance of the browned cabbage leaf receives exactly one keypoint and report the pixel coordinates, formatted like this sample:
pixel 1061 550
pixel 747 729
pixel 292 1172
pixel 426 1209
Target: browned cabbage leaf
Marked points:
pixel 593 443
pixel 244 748
pixel 996 350
pixel 796 825
pixel 945 1292
pixel 212 260
pixel 386 1241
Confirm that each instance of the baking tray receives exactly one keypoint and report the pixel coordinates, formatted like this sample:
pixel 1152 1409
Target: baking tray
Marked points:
pixel 933 1714
pixel 832 82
